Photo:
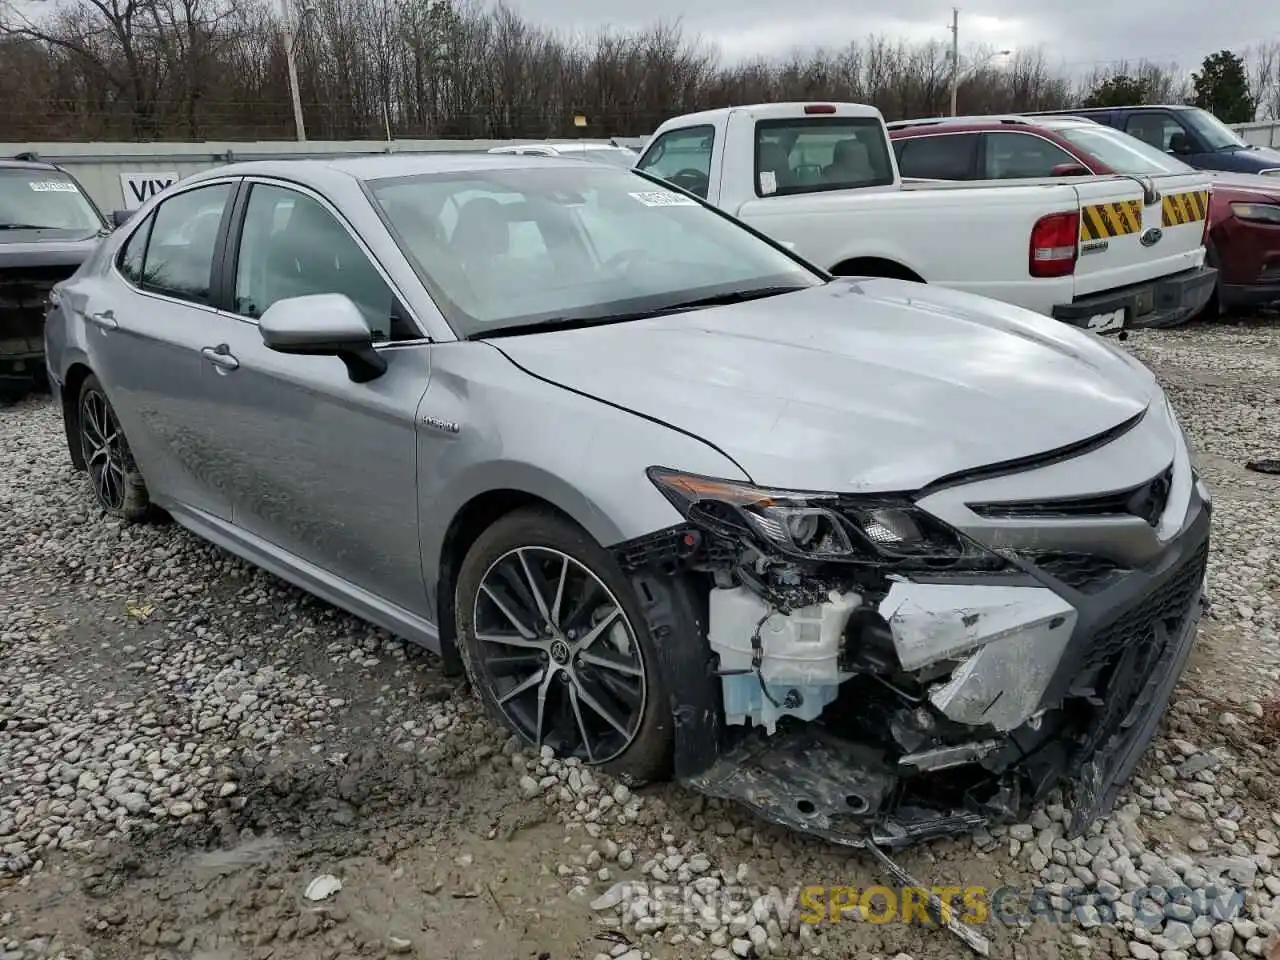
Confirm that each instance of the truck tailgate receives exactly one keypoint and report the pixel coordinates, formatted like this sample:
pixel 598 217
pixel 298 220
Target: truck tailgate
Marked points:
pixel 1123 241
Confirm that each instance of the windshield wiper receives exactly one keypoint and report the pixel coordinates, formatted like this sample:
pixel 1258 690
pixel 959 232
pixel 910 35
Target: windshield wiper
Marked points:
pixel 720 299
pixel 545 326
pixel 574 323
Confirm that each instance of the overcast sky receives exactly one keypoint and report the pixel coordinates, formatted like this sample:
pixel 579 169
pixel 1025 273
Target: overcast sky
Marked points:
pixel 1077 33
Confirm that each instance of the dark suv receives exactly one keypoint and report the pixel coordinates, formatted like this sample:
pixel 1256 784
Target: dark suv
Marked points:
pixel 48 226
pixel 1194 136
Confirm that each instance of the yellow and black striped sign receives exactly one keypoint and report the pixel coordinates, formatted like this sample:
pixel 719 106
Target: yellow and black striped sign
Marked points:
pixel 1180 208
pixel 1098 221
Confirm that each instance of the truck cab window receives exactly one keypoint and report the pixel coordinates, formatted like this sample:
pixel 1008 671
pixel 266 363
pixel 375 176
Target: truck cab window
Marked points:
pixel 820 153
pixel 682 157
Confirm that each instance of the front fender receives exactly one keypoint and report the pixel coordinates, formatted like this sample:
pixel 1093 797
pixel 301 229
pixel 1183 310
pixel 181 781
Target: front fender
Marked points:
pixel 511 432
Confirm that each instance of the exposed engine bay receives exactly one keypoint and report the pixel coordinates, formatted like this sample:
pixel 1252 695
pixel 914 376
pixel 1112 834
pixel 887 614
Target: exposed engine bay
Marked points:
pixel 884 678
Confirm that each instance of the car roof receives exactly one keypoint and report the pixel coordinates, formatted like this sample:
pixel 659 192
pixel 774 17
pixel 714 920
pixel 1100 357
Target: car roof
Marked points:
pixel 1132 106
pixel 567 147
pixel 969 126
pixel 994 122
pixel 327 173
pixel 26 165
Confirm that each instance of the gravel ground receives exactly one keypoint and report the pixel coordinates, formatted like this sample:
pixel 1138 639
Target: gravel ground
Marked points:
pixel 198 761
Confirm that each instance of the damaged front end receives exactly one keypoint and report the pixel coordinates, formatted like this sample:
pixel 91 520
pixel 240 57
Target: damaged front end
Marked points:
pixel 872 674
pixel 24 297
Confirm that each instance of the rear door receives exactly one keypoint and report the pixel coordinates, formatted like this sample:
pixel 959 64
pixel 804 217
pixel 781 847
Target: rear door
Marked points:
pixel 147 316
pixel 1124 241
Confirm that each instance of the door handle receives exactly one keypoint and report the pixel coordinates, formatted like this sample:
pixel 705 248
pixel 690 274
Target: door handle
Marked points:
pixel 106 320
pixel 220 356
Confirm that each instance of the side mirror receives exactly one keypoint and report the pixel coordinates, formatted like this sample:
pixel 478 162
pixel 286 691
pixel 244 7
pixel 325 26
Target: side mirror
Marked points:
pixel 323 325
pixel 120 217
pixel 1070 170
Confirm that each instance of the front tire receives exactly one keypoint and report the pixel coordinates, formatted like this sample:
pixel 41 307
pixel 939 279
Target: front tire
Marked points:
pixel 114 477
pixel 556 645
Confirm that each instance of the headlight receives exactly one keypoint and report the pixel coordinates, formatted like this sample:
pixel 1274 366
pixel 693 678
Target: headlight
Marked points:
pixel 821 526
pixel 1257 212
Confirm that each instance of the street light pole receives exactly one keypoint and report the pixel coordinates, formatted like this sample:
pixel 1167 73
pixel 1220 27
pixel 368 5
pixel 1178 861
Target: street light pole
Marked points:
pixel 291 61
pixel 955 57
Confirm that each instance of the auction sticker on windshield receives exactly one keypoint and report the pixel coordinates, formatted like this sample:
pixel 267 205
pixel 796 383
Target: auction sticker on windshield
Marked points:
pixel 53 186
pixel 663 198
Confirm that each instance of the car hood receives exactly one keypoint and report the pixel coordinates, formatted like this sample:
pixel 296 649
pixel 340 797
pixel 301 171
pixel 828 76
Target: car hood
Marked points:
pixel 856 385
pixel 46 248
pixel 1254 182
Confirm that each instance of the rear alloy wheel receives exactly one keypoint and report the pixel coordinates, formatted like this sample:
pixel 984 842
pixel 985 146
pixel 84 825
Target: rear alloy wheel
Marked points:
pixel 554 642
pixel 113 476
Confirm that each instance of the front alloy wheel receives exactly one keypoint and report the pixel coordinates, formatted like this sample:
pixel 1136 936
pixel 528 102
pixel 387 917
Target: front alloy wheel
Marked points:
pixel 554 642
pixel 562 656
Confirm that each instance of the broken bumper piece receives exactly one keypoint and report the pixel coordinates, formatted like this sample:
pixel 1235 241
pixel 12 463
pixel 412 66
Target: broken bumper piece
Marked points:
pixel 817 783
pixel 1043 687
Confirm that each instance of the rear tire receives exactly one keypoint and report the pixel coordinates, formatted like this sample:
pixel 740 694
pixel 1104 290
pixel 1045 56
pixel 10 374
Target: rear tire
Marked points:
pixel 114 478
pixel 555 643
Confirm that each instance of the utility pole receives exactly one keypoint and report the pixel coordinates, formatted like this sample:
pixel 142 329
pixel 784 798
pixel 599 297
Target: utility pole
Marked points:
pixel 289 39
pixel 955 57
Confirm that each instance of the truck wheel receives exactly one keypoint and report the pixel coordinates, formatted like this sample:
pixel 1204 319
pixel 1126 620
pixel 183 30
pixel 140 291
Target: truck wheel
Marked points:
pixel 114 477
pixel 556 645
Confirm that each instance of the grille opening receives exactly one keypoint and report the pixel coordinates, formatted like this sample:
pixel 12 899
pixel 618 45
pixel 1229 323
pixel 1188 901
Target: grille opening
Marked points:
pixel 1139 501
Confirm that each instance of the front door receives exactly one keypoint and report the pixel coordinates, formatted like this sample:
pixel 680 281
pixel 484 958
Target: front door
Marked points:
pixel 147 319
pixel 1164 130
pixel 315 465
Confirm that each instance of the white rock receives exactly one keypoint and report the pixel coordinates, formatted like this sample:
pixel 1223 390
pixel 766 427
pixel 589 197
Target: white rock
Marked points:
pixel 322 887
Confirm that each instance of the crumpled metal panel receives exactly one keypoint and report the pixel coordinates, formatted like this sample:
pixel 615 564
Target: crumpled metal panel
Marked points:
pixel 1012 639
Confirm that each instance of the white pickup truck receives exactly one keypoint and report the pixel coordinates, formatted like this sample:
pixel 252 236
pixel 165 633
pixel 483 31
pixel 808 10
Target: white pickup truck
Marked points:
pixel 821 178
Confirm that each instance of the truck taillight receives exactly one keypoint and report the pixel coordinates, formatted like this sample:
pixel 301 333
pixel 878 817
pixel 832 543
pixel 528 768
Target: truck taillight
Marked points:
pixel 1053 245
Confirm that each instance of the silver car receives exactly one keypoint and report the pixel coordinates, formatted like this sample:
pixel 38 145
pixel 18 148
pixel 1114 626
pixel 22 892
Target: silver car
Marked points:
pixel 880 560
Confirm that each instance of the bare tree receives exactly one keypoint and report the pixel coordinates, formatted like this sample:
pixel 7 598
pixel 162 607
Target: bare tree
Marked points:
pixel 1264 79
pixel 216 69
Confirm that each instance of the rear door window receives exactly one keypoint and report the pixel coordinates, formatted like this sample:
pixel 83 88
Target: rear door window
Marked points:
pixel 180 243
pixel 1012 156
pixel 950 156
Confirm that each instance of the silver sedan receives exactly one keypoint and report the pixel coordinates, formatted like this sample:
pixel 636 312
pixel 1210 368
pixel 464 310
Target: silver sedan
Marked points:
pixel 875 558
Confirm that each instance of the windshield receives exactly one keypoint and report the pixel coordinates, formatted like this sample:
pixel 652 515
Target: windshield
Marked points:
pixel 33 198
pixel 1119 151
pixel 1215 134
pixel 509 247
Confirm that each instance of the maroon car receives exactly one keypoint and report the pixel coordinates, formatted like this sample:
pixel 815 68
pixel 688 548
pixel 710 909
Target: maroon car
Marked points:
pixel 1243 239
